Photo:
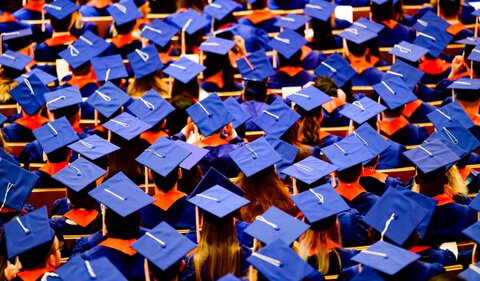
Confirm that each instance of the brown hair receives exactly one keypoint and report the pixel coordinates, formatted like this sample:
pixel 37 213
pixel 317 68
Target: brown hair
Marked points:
pixel 142 85
pixel 309 126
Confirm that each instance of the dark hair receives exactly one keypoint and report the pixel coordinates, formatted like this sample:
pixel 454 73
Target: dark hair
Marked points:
pixel 166 183
pixel 62 25
pixel 259 5
pixel 358 50
pixel 122 227
pixel 123 160
pixel 310 126
pixel 190 179
pixel 36 257
pixel 382 12
pixel 326 85
pixel 294 60
pixel 59 155
pixel 68 112
pixel 255 90
pixel 126 27
pixel 192 89
pixel 450 8
pixel 323 38
pixel 172 272
pixel 178 118
pixel 392 113
pixel 216 63
pixel 82 199
pixel 467 95
pixel 350 175
pixel 194 4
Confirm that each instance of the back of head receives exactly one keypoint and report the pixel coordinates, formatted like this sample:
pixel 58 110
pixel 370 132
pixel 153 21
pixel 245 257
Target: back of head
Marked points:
pixel 169 275
pixel 255 90
pixel 62 25
pixel 178 118
pixel 81 199
pixel 37 257
pixel 357 50
pixel 197 5
pixel 122 227
pixel 467 95
pixel 350 175
pixel 326 85
pixel 259 5
pixel 59 155
pixel 294 60
pixel 126 27
pixel 166 183
pixel 192 88
pixel 384 12
pixel 449 8
pixel 123 160
pixel 70 112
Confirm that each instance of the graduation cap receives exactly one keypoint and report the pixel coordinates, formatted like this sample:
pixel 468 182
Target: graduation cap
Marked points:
pixel 275 224
pixel 320 203
pixel 184 70
pixel 229 277
pixel 109 68
pixel 371 139
pixel 309 170
pixel 16 184
pixel 15 60
pixel 163 156
pixel 30 94
pixel 17 38
pixel 395 215
pixel 456 135
pixel 121 195
pixel 159 32
pixel 254 157
pixel 336 68
pixel 319 9
pixel 472 41
pixel 472 272
pixel 55 134
pixel 126 126
pixel 309 98
pixel 163 246
pixel 446 114
pixel 79 174
pixel 151 108
pixel 5 156
pixel 357 35
pixel 212 178
pixel 78 268
pixel 369 25
pixel 434 39
pixel 394 92
pixel 83 50
pixel 218 201
pixel 124 12
pixel 409 74
pixel 255 66
pixel 210 114
pixel 108 99
pixel 240 116
pixel 431 156
pixel 380 2
pixel 346 153
pixel 189 20
pixel 63 97
pixel 475 204
pixel 60 9
pixel 362 110
pixel 3 119
pixel 45 77
pixel 217 45
pixel 26 232
pixel 287 43
pixel 292 21
pixel 145 61
pixel 287 151
pixel 430 19
pixel 277 261
pixel 93 147
pixel 408 51
pixel 386 257
pixel 221 8
pixel 196 154
pixel 277 118
pixel 473 232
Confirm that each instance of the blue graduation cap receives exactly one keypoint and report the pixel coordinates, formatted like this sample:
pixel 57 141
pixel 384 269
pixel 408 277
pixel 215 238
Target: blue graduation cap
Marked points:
pixel 409 74
pixel 371 139
pixel 196 154
pixel 221 8
pixel 16 184
pixel 229 277
pixel 109 68
pixel 475 54
pixel 394 92
pixel 446 114
pixel 336 68
pixel 159 32
pixel 287 43
pixel 45 77
pixel 212 178
pixel 3 119
pixel 210 114
pixel 255 66
pixel 431 156
pixel 380 2
pixel 309 98
pixel 55 134
pixel 78 268
pixel 449 140
pixel 189 20
pixel 456 135
pixel 108 99
pixel 475 204
pixel 287 151
pixel 346 153
pixel 163 156
pixel 430 19
pixel 16 34
pixel 254 157
pixel 14 60
pixel 275 224
pixel 218 201
pixel 369 25
pixel 145 61
pixel 30 94
pixel 362 110
pixel 473 232
pixel 434 39
pixel 319 9
pixel 60 9
pixel 163 246
pixel 79 174
pixel 408 51
pixel 83 50
pixel 121 195
pixel 472 272
pixel 472 41
pixel 217 45
pixel 124 12
pixel 151 108
pixel 292 21
pixel 126 126
pixel 277 118
pixel 93 147
pixel 63 97
pixel 309 170
pixel 240 116
pixel 357 35
pixel 184 70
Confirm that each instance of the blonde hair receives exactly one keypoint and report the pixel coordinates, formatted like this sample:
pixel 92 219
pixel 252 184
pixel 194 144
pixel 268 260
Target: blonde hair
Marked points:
pixel 455 185
pixel 142 85
pixel 6 84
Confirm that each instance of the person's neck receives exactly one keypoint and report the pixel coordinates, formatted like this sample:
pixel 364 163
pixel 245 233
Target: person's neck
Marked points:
pixel 349 183
pixel 470 107
pixel 159 191
pixel 62 33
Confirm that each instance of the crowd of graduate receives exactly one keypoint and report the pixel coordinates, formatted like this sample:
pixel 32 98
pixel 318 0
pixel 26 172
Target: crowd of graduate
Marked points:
pixel 163 178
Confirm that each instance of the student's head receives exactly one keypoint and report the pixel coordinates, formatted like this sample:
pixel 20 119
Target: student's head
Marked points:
pixel 467 95
pixel 84 69
pixel 220 64
pixel 178 118
pixel 197 5
pixel 192 89
pixel 59 155
pixel 168 182
pixel 126 27
pixel 294 60
pixel 310 126
pixel 432 183
pixel 123 160
pixel 382 12
pixel 255 90
pixel 45 255
pixel 171 274
pixel 393 113
pixel 449 9
pixel 62 25
pixel 259 5
pixel 326 85
pixel 142 85
pixel 122 227
pixel 350 175
pixel 81 199
pixel 71 112
pixel 323 38
pixel 357 50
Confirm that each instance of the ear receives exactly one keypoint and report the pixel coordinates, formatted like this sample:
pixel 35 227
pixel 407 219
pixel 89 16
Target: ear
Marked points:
pixel 164 124
pixel 180 173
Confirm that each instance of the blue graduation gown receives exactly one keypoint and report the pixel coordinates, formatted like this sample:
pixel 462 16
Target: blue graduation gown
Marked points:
pixel 90 11
pixel 431 255
pixel 377 184
pixel 390 37
pixel 60 207
pixel 393 157
pixel 420 115
pixel 402 132
pixel 255 39
pixel 363 202
pixel 283 79
pixel 368 77
pixel 14 132
pixel 352 229
pixel 312 59
pixel 62 227
pixel 180 215
pixel 266 25
pixel 46 181
pixel 334 118
pixel 86 243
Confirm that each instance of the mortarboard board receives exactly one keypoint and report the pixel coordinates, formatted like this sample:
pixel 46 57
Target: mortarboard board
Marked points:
pixel 184 70
pixel 151 108
pixel 380 2
pixel 475 204
pixel 126 126
pixel 108 99
pixel 16 184
pixel 357 35
pixel 473 232
pixel 63 97
pixel 124 12
pixel 219 9
pixel 458 138
pixel 362 110
pixel 163 246
pixel 145 61
pixel 408 51
pixel 163 156
pixel 159 32
pixel 255 66
pixel 254 157
pixel 217 45
pixel 431 156
pixel 319 9
pixel 465 84
pixel 210 114
pixel 287 151
pixel 218 201
pixel 369 25
pixel 60 9
pixel 472 41
pixel 472 272
pixel 30 94
pixel 90 40
pixel 475 54
pixel 27 232
pixel 3 119
pixel 292 21
pixel 93 147
pixel 346 153
pixel 309 98
pixel 409 74
pixel 448 140
pixel 212 178
pixel 79 174
pixel 45 77
pixel 81 269
pixel 442 116
pixel 430 19
pixel 5 156
pixel 189 20
pixel 55 134
pixel 371 139
pixel 395 215
pixel 394 92
pixel 277 118
pixel 229 277
pixel 109 68
pixel 386 257
pixel 275 224
pixel 320 203
pixel 336 68
pixel 16 34
pixel 196 154
pixel 14 60
pixel 434 39
pixel 287 43
pixel 121 195
pixel 309 170
pixel 83 50
pixel 240 116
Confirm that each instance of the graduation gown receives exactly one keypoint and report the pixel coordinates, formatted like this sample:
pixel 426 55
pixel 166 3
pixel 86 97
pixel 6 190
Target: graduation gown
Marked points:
pixel 290 76
pixel 352 229
pixel 255 38
pixel 431 255
pixel 311 59
pixel 48 50
pixel 394 33
pixel 367 74
pixel 401 131
pixel 91 9
pixel 357 197
pixel 416 111
pixel 60 207
pixel 45 173
pixel 331 114
pixel 77 222
pixel 32 275
pixel 377 183
pixel 21 129
pixel 393 157
pixel 261 19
